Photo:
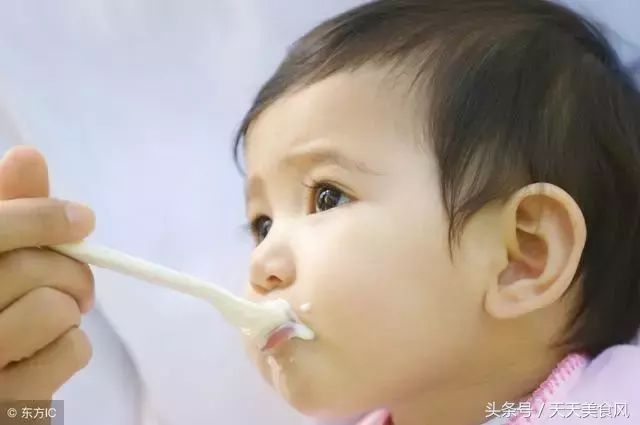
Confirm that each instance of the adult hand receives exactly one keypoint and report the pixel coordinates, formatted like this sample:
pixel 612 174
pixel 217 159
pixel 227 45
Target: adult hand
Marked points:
pixel 42 293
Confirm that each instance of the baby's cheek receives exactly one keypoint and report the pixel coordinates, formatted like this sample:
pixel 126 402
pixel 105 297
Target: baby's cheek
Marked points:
pixel 344 312
pixel 350 289
pixel 372 277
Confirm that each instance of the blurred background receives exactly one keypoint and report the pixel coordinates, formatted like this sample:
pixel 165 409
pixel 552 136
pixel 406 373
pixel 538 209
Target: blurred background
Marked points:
pixel 134 103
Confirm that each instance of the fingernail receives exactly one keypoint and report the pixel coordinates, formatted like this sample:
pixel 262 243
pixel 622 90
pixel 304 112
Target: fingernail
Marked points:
pixel 79 215
pixel 87 305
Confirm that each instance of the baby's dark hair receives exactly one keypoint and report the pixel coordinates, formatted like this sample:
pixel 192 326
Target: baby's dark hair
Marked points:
pixel 518 91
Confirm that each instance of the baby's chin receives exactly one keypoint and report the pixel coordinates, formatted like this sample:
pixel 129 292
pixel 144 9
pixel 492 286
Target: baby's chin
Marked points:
pixel 290 379
pixel 304 382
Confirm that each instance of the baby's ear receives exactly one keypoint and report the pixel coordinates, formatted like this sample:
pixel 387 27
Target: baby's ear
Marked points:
pixel 544 233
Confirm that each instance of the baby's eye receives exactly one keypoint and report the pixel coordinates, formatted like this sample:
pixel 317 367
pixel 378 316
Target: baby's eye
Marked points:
pixel 260 227
pixel 326 197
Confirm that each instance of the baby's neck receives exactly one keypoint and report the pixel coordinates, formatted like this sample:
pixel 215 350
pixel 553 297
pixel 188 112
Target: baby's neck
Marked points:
pixel 464 401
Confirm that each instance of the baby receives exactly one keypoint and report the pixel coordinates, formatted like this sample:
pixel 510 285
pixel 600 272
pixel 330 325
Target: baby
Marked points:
pixel 449 193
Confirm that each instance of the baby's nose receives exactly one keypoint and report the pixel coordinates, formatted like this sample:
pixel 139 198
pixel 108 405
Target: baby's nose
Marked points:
pixel 272 270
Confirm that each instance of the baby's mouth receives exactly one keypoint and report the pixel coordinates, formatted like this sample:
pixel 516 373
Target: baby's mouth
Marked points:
pixel 293 329
pixel 279 337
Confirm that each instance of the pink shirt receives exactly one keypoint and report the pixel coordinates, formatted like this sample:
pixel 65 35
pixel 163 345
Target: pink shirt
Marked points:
pixel 577 391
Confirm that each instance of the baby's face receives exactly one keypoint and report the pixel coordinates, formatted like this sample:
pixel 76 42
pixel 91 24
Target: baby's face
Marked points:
pixel 347 208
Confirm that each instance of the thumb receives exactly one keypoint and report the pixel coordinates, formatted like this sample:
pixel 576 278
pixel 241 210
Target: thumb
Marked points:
pixel 23 174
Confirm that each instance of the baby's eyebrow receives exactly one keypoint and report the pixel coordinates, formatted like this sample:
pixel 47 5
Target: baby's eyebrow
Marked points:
pixel 321 155
pixel 311 155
